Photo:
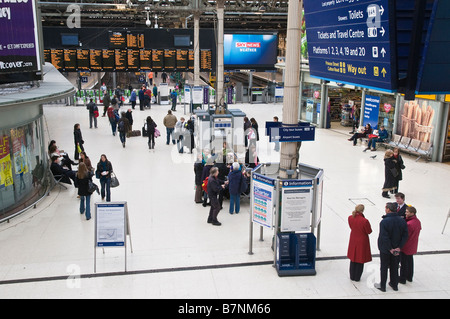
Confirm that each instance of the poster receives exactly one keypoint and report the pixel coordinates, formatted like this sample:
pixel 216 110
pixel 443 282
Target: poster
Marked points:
pixel 6 177
pixel 19 151
pixel 263 200
pixel 110 224
pixel 371 111
pixel 296 205
pixel 417 119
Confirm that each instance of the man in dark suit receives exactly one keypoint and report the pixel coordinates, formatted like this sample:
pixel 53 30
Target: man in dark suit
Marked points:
pixel 401 206
pixel 392 237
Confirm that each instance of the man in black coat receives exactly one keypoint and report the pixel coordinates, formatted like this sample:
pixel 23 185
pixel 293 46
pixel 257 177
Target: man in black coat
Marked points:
pixel 58 171
pixel 214 188
pixel 393 236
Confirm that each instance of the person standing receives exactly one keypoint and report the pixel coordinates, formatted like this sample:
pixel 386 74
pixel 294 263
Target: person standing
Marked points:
pixel 190 141
pixel 133 99
pixel 277 143
pixel 254 125
pixel 401 205
pixel 82 182
pixel 399 165
pixel 214 188
pixel 155 93
pixel 410 248
pixel 391 239
pixel 164 77
pixel 198 170
pixel 169 122
pixel 141 98
pixel 390 173
pixel 235 181
pixel 247 126
pixel 93 113
pixel 179 133
pixel 151 126
pixel 359 245
pixel 129 116
pixel 78 140
pixel 104 169
pixel 123 127
pixel 173 97
pixel 106 102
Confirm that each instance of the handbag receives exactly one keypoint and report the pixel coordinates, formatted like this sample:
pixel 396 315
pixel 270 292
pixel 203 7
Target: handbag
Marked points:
pixel 394 172
pixel 93 187
pixel 114 180
pixel 157 133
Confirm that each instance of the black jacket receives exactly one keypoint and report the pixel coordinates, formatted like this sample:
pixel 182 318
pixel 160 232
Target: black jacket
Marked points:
pixel 214 186
pixel 198 170
pixel 83 184
pixel 393 233
pixel 100 169
pixel 77 137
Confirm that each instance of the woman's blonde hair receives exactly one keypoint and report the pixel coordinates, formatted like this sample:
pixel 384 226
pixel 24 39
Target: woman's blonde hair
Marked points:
pixel 358 209
pixel 388 153
pixel 82 171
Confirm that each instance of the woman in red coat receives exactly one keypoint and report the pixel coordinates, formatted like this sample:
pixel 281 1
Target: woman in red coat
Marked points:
pixel 359 244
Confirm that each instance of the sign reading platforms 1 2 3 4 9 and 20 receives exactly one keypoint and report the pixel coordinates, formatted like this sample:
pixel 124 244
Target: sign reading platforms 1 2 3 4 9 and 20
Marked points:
pixel 349 41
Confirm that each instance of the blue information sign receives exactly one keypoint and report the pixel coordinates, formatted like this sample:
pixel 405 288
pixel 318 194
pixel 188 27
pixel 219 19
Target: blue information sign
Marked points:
pixel 349 41
pixel 371 111
pixel 292 134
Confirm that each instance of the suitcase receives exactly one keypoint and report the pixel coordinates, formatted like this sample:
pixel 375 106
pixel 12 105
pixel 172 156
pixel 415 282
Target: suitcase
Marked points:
pixel 134 133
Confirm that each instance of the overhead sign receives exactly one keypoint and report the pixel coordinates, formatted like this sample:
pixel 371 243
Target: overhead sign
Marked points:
pixel 300 133
pixel 350 42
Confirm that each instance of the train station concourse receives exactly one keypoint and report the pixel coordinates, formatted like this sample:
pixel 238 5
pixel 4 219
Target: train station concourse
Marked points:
pixel 243 151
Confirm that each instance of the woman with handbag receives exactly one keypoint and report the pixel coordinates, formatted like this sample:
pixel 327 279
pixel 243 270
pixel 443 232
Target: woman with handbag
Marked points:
pixel 78 140
pixel 399 166
pixel 104 170
pixel 151 127
pixel 82 180
pixel 390 173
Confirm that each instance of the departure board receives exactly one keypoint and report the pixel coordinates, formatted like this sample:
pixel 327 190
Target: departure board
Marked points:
pixel 95 59
pixel 157 59
pixel 133 59
pixel 145 58
pixel 117 40
pixel 135 40
pixel 70 59
pixel 57 58
pixel 191 60
pixel 182 59
pixel 47 56
pixel 82 59
pixel 170 61
pixel 108 59
pixel 120 59
pixel 205 60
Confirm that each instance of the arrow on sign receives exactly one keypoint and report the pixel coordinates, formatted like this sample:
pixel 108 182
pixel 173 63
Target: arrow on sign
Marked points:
pixel 381 10
pixel 384 72
pixel 383 52
pixel 382 31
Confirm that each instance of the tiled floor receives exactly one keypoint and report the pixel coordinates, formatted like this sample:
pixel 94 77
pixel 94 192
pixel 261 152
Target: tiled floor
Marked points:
pixel 48 252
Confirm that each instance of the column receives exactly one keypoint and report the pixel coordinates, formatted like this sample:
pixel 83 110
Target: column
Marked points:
pixel 220 66
pixel 196 48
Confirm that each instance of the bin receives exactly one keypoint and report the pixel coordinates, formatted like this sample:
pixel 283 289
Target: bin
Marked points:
pixel 296 254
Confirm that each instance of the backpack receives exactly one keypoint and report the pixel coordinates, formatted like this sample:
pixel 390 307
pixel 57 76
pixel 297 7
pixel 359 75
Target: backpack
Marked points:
pixel 205 185
pixel 121 126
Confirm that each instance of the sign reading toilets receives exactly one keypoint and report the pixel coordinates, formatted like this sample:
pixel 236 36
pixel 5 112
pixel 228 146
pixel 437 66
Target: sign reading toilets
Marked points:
pixel 19 50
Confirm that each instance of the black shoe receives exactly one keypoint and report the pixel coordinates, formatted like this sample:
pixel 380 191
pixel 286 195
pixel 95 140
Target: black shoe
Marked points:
pixel 395 288
pixel 216 223
pixel 378 286
pixel 385 195
pixel 209 221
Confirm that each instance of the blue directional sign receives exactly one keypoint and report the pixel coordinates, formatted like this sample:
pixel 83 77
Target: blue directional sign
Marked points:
pixel 300 133
pixel 349 41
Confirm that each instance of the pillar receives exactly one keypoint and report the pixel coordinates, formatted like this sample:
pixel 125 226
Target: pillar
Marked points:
pixel 196 48
pixel 220 66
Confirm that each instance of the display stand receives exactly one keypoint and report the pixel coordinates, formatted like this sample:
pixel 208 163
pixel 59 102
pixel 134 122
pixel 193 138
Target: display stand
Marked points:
pixel 111 227
pixel 448 216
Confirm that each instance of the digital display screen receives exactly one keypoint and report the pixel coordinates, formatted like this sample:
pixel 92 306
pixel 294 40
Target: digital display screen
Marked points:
pixel 57 58
pixel 191 60
pixel 135 40
pixel 206 60
pixel 47 55
pixel 145 57
pixel 182 59
pixel 250 50
pixel 117 40
pixel 170 56
pixel 181 40
pixel 120 59
pixel 157 59
pixel 133 59
pixel 69 39
pixel 108 62
pixel 95 59
pixel 70 59
pixel 83 59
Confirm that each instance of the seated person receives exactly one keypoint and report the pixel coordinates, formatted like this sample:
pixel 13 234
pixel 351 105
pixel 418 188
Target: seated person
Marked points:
pixel 365 133
pixel 58 170
pixel 380 137
pixel 65 159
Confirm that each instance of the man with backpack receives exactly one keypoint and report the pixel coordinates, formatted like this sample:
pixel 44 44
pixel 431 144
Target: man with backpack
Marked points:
pixel 123 126
pixel 93 113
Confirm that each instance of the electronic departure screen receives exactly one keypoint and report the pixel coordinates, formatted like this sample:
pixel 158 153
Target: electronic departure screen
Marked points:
pixel 133 59
pixel 191 60
pixel 117 40
pixel 47 56
pixel 108 57
pixel 158 59
pixel 182 59
pixel 57 58
pixel 95 59
pixel 70 59
pixel 170 56
pixel 135 40
pixel 83 59
pixel 205 60
pixel 120 59
pixel 145 56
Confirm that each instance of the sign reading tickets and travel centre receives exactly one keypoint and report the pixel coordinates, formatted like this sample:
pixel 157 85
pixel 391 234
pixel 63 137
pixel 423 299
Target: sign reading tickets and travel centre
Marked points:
pixel 349 41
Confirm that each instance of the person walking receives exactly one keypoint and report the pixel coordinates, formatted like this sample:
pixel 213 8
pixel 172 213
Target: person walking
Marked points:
pixel 235 186
pixel 155 94
pixel 173 97
pixel 391 239
pixel 359 245
pixel 410 248
pixel 133 99
pixel 214 188
pixel 123 127
pixel 82 179
pixel 93 113
pixel 78 140
pixel 169 122
pixel 112 116
pixel 390 173
pixel 164 77
pixel 103 173
pixel 151 126
pixel 106 103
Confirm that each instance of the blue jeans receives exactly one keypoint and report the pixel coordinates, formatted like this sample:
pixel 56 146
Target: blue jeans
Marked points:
pixel 169 132
pixel 123 137
pixel 86 209
pixel 235 203
pixel 113 126
pixel 106 185
pixel 373 142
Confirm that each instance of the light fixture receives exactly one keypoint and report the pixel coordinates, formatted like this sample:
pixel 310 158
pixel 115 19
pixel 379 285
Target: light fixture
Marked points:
pixel 148 22
pixel 156 22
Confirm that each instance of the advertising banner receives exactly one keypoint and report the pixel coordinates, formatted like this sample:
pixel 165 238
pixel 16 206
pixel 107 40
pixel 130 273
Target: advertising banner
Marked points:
pixel 6 177
pixel 18 37
pixel 250 50
pixel 371 111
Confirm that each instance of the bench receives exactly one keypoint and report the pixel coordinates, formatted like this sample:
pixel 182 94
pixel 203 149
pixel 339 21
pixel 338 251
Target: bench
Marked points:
pixel 410 146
